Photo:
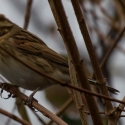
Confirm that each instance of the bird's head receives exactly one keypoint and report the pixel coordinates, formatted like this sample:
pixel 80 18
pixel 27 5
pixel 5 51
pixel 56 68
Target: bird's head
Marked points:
pixel 5 25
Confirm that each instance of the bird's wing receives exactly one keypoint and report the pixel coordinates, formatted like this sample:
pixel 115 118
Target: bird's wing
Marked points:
pixel 41 51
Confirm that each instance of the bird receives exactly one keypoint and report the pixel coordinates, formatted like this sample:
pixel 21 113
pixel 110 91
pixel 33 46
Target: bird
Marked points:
pixel 28 48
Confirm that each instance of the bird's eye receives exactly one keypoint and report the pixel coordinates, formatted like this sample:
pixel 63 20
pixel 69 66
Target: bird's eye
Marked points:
pixel 4 30
pixel 1 32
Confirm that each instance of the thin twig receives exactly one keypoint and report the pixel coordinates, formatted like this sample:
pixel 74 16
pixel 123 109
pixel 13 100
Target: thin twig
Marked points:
pixel 119 12
pixel 88 113
pixel 112 47
pixel 14 117
pixel 121 116
pixel 39 118
pixel 122 3
pixel 62 109
pixel 112 21
pixel 105 39
pixel 27 14
pixel 116 112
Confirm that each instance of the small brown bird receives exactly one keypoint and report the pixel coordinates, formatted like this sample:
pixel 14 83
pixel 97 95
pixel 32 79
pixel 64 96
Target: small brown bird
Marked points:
pixel 33 51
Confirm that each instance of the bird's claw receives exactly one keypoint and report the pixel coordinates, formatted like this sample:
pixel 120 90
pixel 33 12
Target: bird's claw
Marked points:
pixel 6 86
pixel 31 98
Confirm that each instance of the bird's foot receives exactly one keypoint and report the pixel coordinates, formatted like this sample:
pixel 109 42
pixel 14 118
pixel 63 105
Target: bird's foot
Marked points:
pixel 6 86
pixel 31 98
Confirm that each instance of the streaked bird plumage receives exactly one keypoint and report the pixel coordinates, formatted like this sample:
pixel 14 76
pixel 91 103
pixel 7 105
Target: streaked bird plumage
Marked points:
pixel 33 51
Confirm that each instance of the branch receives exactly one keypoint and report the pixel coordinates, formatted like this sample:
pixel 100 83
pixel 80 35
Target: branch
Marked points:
pixel 77 95
pixel 92 54
pixel 116 112
pixel 65 31
pixel 15 118
pixel 62 109
pixel 27 14
pixel 36 105
pixel 112 47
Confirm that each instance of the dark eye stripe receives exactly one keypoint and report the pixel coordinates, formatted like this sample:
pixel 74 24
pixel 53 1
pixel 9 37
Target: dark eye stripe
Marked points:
pixel 4 30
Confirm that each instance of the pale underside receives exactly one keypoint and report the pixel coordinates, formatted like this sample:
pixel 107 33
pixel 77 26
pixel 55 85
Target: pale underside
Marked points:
pixel 20 75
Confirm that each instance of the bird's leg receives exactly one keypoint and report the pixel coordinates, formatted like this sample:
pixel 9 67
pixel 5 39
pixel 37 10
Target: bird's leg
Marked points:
pixel 6 86
pixel 30 98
